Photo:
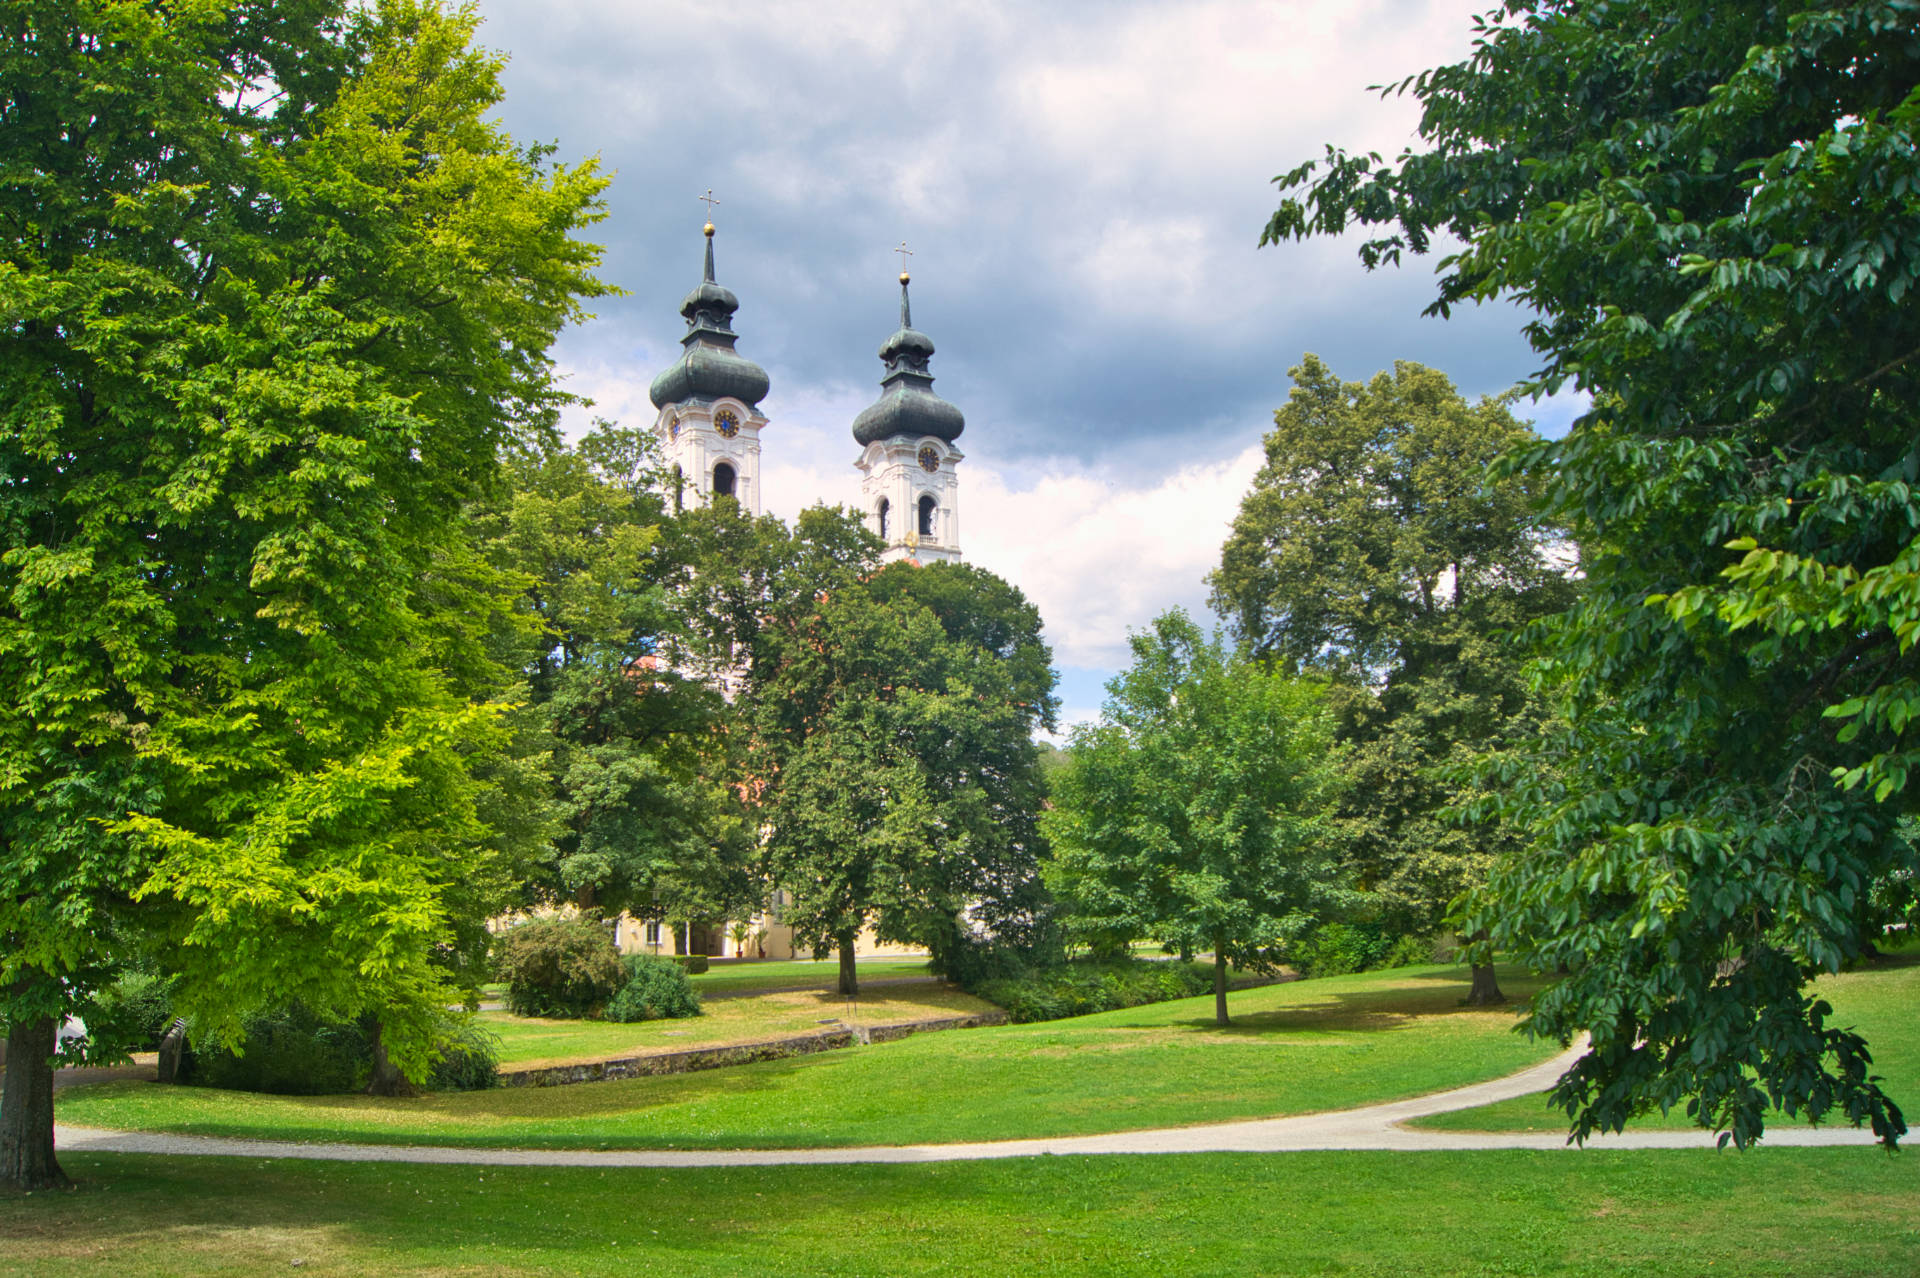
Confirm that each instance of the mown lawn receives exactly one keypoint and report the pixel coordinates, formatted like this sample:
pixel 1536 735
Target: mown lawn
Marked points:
pixel 531 1041
pixel 1295 1048
pixel 751 975
pixel 1877 999
pixel 1600 1213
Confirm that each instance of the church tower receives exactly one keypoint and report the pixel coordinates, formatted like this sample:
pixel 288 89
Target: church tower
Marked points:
pixel 710 422
pixel 909 486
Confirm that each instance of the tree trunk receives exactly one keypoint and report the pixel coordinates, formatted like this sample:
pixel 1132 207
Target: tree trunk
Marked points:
pixel 1220 980
pixel 1485 990
pixel 26 1108
pixel 387 1078
pixel 849 979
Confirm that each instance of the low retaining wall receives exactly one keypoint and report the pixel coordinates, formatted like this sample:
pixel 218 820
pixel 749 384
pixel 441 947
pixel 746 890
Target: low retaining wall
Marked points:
pixel 695 1058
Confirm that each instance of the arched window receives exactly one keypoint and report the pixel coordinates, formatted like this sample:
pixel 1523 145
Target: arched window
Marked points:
pixel 926 516
pixel 723 479
pixel 885 507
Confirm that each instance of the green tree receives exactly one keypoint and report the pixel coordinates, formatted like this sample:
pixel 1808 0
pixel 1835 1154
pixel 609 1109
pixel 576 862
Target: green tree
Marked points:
pixel 636 753
pixel 888 717
pixel 275 292
pixel 1197 811
pixel 1712 211
pixel 1376 551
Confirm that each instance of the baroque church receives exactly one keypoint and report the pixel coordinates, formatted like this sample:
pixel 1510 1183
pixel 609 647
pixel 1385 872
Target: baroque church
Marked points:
pixel 709 427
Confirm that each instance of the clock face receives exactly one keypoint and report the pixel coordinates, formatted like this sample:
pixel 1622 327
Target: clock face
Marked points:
pixel 726 423
pixel 929 459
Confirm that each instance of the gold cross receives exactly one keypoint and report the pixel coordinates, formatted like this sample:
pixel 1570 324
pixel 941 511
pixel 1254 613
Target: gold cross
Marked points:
pixel 710 202
pixel 904 253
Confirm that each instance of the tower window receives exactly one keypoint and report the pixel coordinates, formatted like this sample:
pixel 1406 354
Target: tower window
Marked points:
pixel 926 516
pixel 884 510
pixel 723 480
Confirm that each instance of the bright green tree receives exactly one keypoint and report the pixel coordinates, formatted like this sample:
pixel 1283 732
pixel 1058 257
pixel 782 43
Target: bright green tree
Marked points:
pixel 1376 550
pixel 1713 211
pixel 1197 812
pixel 276 290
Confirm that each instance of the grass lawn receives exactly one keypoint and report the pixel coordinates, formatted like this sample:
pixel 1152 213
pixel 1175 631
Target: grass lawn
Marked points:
pixel 1612 1213
pixel 531 1041
pixel 1295 1048
pixel 736 976
pixel 1876 999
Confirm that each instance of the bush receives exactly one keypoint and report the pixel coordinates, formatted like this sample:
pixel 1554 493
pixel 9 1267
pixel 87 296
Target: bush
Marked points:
pixel 288 1051
pixel 1079 989
pixel 469 1055
pixel 1340 948
pixel 291 1052
pixel 656 989
pixel 1408 951
pixel 559 966
pixel 692 964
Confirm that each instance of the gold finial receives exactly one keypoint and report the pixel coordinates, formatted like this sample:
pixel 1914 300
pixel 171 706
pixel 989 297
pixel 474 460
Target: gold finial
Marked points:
pixel 709 201
pixel 904 253
pixel 905 278
pixel 709 230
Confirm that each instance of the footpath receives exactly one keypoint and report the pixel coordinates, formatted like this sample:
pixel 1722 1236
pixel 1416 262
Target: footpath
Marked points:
pixel 1370 1127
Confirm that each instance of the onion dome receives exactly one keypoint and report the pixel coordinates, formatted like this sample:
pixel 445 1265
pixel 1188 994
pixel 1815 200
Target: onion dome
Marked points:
pixel 907 404
pixel 710 369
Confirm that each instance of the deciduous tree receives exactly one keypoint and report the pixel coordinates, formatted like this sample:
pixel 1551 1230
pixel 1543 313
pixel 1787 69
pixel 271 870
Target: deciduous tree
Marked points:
pixel 1713 211
pixel 275 290
pixel 1197 811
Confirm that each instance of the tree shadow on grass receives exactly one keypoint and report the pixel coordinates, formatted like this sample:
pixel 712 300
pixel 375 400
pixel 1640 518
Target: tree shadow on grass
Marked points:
pixel 1324 1007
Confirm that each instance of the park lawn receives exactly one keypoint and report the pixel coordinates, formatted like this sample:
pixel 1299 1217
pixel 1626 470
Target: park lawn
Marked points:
pixel 1876 999
pixel 1509 1212
pixel 1294 1048
pixel 531 1042
pixel 736 976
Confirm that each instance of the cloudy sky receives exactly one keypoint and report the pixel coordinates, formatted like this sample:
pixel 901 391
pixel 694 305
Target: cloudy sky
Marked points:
pixel 1083 188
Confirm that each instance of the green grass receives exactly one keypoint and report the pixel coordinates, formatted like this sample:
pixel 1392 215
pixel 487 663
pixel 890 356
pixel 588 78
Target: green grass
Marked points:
pixel 1876 999
pixel 1612 1213
pixel 1295 1048
pixel 532 1041
pixel 748 975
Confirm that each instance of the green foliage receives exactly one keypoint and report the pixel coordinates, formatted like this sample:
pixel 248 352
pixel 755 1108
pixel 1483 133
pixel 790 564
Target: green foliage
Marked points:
pixel 288 1051
pixel 1712 211
pixel 1078 989
pixel 1373 550
pixel 692 964
pixel 656 989
pixel 559 965
pixel 1340 948
pixel 130 1015
pixel 291 1051
pixel 888 717
pixel 276 292
pixel 630 757
pixel 1196 812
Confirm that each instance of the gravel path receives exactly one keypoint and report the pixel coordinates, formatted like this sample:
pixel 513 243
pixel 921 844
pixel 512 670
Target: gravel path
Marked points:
pixel 1372 1127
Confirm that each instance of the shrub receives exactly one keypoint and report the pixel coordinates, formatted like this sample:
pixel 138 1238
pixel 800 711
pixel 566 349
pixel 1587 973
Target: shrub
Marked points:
pixel 469 1055
pixel 291 1052
pixel 692 964
pixel 288 1051
pixel 1079 989
pixel 1339 948
pixel 656 989
pixel 559 966
pixel 1408 951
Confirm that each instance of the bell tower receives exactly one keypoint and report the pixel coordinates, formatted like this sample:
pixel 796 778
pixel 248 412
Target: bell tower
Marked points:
pixel 909 486
pixel 709 421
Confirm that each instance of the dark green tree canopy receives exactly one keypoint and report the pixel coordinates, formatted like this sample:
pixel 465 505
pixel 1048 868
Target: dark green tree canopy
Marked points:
pixel 1378 549
pixel 1714 211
